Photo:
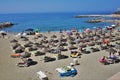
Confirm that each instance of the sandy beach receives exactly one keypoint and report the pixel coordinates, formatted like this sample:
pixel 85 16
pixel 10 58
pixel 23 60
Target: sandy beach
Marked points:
pixel 60 40
pixel 89 68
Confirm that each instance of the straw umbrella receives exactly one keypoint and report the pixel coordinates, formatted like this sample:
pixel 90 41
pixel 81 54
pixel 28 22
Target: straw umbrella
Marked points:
pixel 19 49
pixel 25 39
pixel 53 36
pixel 25 54
pixel 14 41
pixel 15 45
pixel 111 50
pixel 27 45
pixel 34 47
pixel 118 46
pixel 35 38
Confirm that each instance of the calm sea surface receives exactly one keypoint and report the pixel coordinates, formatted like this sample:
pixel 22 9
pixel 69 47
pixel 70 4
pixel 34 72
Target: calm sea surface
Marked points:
pixel 48 21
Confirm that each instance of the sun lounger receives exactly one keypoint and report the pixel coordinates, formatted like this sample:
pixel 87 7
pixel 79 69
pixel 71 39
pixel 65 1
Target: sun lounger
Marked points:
pixel 32 49
pixel 91 44
pixel 17 55
pixel 13 41
pixel 48 59
pixel 75 54
pixel 42 76
pixel 72 47
pixel 66 71
pixel 83 45
pixel 95 49
pixel 104 47
pixel 38 53
pixel 62 57
pixel 22 64
pixel 19 50
pixel 86 51
pixel 117 38
pixel 25 55
pixel 15 45
pixel 27 45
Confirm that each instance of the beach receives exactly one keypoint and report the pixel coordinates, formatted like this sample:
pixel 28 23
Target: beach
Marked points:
pixel 89 67
pixel 59 40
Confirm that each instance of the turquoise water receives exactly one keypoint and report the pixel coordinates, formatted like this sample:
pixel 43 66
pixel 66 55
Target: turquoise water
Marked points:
pixel 47 21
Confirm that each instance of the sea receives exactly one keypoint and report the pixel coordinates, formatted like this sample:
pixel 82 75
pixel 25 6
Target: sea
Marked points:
pixel 49 21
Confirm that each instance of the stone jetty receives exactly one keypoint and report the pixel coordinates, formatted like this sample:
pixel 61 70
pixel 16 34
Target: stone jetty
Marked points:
pixel 94 21
pixel 6 24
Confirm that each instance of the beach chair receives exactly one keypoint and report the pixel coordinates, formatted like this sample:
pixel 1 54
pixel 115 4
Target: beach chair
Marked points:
pixel 72 47
pixel 19 50
pixel 39 53
pixel 42 76
pixel 91 44
pixel 98 42
pixel 86 51
pixel 22 64
pixel 94 49
pixel 117 38
pixel 15 45
pixel 75 54
pixel 61 56
pixel 26 62
pixel 32 48
pixel 83 45
pixel 27 45
pixel 48 59
pixel 61 48
pixel 13 41
pixel 114 59
pixel 63 40
pixel 103 47
pixel 16 55
pixel 25 55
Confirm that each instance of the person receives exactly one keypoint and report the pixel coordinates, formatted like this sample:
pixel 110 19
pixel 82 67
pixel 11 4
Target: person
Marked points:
pixel 3 35
pixel 106 41
pixel 49 31
pixel 75 61
pixel 71 65
pixel 81 49
pixel 60 30
pixel 119 53
pixel 113 56
pixel 104 60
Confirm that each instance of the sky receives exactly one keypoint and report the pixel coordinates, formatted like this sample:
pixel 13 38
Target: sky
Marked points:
pixel 41 6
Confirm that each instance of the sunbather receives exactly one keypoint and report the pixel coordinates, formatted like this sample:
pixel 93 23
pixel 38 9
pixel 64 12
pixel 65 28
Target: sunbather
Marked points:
pixel 104 60
pixel 114 58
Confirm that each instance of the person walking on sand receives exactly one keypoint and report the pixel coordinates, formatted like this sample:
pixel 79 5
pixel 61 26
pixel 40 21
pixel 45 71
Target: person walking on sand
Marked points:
pixel 3 35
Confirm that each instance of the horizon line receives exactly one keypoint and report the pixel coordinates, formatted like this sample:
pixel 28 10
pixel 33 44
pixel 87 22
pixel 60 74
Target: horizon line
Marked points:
pixel 109 11
pixel 90 12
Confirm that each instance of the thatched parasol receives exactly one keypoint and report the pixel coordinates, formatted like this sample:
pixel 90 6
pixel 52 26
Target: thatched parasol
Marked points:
pixel 111 50
pixel 13 41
